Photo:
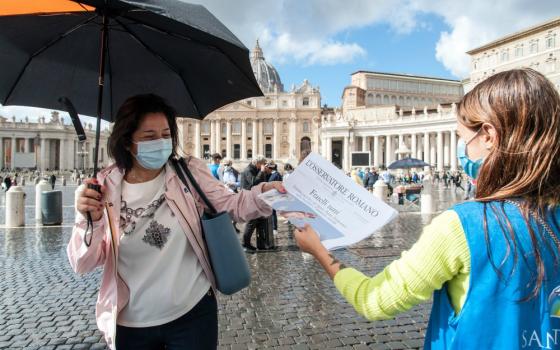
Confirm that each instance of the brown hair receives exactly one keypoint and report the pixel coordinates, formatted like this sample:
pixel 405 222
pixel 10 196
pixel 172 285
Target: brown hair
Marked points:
pixel 129 117
pixel 524 162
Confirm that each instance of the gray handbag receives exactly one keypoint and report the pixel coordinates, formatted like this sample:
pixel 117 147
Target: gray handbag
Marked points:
pixel 227 258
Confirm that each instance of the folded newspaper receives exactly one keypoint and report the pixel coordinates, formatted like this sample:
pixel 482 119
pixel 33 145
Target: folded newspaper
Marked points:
pixel 321 195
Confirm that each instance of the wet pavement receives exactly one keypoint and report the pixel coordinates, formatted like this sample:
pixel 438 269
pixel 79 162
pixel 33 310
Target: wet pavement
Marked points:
pixel 291 303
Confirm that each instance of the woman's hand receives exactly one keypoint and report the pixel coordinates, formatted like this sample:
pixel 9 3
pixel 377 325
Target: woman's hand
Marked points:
pixel 89 200
pixel 308 240
pixel 274 185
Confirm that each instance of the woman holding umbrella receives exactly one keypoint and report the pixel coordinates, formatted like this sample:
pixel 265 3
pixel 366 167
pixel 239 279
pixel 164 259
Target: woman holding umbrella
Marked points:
pixel 493 261
pixel 157 289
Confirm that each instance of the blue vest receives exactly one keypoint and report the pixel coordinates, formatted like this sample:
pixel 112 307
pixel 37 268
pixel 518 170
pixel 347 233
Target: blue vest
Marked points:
pixel 493 315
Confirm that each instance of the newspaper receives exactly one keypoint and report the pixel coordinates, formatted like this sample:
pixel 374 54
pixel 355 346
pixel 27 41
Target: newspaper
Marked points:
pixel 341 211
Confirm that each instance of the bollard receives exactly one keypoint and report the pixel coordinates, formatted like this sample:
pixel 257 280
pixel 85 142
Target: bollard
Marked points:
pixel 51 207
pixel 43 185
pixel 426 200
pixel 63 181
pixel 15 207
pixel 380 190
pixel 22 181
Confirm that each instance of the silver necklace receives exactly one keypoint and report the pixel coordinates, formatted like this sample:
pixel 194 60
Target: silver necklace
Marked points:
pixel 540 220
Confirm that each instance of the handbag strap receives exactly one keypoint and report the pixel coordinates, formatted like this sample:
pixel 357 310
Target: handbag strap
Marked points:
pixel 181 169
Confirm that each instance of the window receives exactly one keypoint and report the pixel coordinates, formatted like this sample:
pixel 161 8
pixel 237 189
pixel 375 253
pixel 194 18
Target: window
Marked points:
pixel 250 127
pixel 236 151
pixel 268 127
pixel 306 101
pixel 284 103
pixel 505 56
pixel 534 48
pixel 305 126
pixel 268 150
pixel 519 51
pixel 20 145
pixel 236 128
pixel 205 128
pixel 32 145
pixel 284 127
pixel 224 153
pixel 550 42
pixel 249 102
pixel 249 154
pixel 223 129
pixel 267 102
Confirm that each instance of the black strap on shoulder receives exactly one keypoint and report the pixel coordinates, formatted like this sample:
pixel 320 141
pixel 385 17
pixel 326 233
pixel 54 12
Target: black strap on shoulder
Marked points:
pixel 181 169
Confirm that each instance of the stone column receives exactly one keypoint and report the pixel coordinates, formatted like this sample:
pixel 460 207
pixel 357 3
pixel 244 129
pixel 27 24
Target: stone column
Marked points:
pixel 43 159
pixel 376 151
pixel 433 157
pixel 316 132
pixel 413 149
pixel 62 155
pixel 275 139
pixel 446 149
pixel 292 137
pixel 13 150
pixel 229 154
pixel 453 150
pixel 255 146
pixel 197 145
pixel 243 139
pixel 427 148
pixel 329 149
pixel 212 137
pixel 324 146
pixel 388 150
pixel 365 144
pixel 72 157
pixel 346 154
pixel 26 145
pixel 440 150
pixel 219 136
pixel 2 155
pixel 261 138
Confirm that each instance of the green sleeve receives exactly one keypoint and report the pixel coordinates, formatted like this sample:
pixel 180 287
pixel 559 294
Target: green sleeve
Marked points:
pixel 441 254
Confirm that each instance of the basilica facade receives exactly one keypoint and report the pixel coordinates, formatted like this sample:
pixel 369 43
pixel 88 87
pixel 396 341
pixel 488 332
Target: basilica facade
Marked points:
pixel 280 125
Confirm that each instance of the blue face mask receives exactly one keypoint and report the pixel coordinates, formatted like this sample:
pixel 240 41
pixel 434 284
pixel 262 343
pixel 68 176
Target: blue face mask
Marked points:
pixel 153 154
pixel 471 167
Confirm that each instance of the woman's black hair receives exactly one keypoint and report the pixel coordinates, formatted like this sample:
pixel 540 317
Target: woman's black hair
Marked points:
pixel 129 117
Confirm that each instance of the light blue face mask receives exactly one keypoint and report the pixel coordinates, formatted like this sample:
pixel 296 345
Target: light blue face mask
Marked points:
pixel 471 167
pixel 153 154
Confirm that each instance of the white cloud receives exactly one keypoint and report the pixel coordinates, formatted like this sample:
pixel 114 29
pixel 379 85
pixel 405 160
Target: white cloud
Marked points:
pixel 304 31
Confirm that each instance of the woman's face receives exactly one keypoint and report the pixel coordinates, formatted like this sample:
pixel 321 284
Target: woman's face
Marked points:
pixel 479 143
pixel 152 127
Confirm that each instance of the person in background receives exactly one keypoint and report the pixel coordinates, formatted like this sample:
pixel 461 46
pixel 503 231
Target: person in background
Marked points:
pixel 230 177
pixel 491 266
pixel 254 174
pixel 274 176
pixel 361 173
pixel 215 165
pixel 355 177
pixel 288 170
pixel 52 180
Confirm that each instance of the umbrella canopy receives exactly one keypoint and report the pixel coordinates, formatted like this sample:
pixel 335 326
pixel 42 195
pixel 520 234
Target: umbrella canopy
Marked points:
pixel 52 48
pixel 407 163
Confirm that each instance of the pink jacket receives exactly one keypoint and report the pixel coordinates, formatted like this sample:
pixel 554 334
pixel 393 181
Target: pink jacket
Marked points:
pixel 104 249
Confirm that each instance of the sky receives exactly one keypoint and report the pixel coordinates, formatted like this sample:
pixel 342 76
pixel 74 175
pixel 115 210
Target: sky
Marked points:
pixel 325 41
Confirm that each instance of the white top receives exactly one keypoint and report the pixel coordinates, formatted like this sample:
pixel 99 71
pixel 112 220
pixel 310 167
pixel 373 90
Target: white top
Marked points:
pixel 156 260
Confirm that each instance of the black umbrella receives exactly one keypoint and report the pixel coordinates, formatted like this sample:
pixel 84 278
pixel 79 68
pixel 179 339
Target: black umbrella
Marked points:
pixel 407 163
pixel 97 53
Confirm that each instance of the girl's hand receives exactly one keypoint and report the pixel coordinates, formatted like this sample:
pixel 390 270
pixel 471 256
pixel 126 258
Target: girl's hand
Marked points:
pixel 308 240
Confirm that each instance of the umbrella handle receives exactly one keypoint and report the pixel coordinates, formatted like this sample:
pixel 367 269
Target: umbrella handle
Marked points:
pixel 89 219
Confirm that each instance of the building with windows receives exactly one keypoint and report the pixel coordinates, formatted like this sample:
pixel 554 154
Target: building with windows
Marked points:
pixel 537 47
pixel 51 145
pixel 280 125
pixel 392 116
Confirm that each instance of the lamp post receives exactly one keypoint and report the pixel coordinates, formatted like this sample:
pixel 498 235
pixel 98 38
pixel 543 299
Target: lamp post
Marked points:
pixel 36 142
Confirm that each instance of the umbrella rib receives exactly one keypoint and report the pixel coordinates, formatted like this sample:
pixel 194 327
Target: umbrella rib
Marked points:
pixel 42 49
pixel 163 60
